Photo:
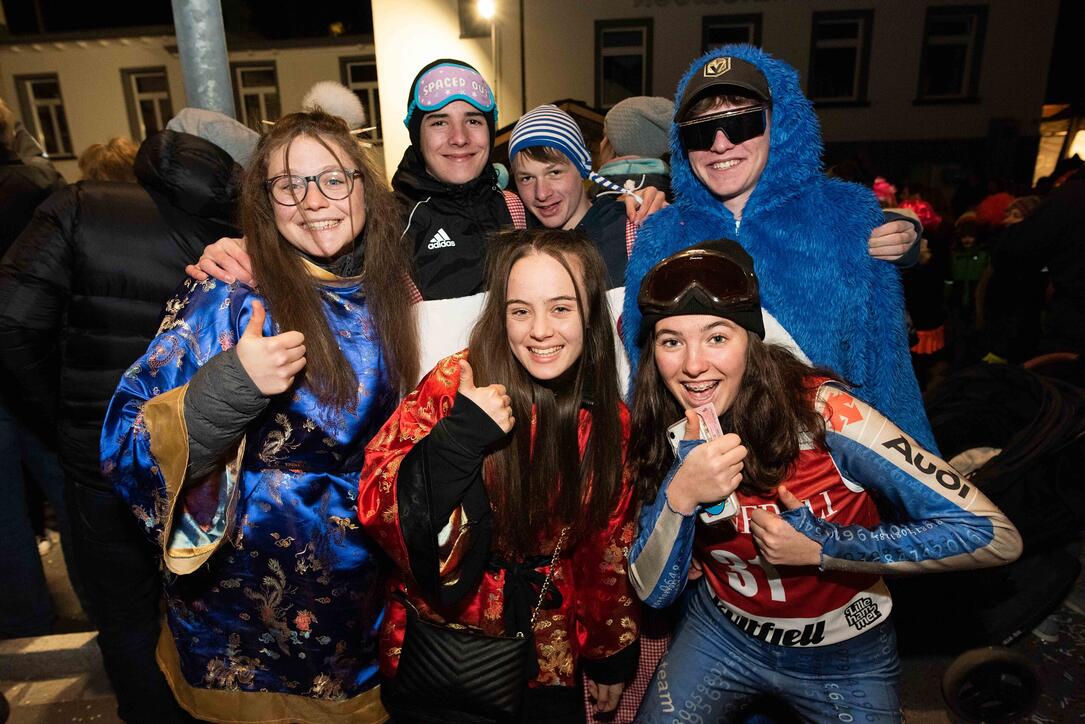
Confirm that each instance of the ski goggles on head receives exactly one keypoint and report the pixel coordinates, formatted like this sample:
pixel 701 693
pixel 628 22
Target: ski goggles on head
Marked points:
pixel 717 281
pixel 445 83
pixel 739 125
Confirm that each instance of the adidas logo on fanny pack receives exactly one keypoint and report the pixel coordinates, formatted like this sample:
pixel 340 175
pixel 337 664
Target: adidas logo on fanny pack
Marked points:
pixel 440 240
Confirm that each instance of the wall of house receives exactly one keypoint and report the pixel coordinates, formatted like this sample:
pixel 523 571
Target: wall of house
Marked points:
pixel 560 52
pixel 89 72
pixel 409 35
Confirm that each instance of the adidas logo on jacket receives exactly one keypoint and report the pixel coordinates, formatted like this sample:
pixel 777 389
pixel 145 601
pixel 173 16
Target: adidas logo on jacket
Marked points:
pixel 440 240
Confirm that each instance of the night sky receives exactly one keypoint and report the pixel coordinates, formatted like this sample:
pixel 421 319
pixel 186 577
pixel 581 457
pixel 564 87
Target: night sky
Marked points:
pixel 269 18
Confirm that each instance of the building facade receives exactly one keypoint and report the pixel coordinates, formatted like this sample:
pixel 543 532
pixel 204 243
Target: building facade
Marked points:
pixel 921 87
pixel 75 90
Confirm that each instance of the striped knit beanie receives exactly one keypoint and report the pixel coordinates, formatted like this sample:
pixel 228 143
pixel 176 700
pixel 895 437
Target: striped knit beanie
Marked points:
pixel 551 127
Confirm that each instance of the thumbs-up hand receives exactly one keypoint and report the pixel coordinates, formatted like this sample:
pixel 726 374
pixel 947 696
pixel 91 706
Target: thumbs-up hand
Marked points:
pixel 779 543
pixel 709 473
pixel 693 426
pixel 271 362
pixel 491 399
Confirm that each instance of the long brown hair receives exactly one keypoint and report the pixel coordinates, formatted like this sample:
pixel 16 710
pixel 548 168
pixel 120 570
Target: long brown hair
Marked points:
pixel 532 487
pixel 773 413
pixel 292 293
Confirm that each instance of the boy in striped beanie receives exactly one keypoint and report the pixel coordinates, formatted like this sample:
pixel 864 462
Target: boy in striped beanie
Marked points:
pixel 549 162
pixel 549 127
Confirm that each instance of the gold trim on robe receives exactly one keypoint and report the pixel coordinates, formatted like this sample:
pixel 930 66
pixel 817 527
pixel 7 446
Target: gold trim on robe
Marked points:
pixel 262 707
pixel 164 418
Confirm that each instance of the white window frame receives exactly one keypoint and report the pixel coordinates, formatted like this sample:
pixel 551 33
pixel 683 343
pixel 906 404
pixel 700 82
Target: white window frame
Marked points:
pixel 752 24
pixel 644 49
pixel 133 96
pixel 262 92
pixel 32 104
pixel 370 89
pixel 971 41
pixel 863 20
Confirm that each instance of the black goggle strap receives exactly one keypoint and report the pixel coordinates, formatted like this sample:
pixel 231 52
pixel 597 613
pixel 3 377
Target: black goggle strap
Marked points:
pixel 738 125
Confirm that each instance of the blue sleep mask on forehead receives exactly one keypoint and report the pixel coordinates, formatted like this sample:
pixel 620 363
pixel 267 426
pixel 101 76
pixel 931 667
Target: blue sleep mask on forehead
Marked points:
pixel 447 82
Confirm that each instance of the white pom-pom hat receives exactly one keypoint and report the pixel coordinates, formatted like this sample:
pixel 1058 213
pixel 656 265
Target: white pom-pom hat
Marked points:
pixel 337 100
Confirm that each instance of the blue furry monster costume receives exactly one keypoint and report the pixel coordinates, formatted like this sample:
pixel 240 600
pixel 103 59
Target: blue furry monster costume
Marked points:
pixel 807 234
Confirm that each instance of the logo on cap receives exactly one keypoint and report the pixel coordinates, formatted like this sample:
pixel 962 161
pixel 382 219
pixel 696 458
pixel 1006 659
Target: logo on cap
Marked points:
pixel 717 67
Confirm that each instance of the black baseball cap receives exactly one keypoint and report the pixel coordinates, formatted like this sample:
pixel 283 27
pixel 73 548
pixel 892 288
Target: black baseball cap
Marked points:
pixel 719 73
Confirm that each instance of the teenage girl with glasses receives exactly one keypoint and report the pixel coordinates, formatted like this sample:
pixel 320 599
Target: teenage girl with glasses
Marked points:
pixel 237 441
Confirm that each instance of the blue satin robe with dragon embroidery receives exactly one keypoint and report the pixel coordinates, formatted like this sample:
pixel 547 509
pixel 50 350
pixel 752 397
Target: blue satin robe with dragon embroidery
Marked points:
pixel 281 592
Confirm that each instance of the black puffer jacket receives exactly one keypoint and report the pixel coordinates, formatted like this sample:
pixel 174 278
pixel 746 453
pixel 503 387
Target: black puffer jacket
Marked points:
pixel 23 185
pixel 1053 236
pixel 83 286
pixel 448 227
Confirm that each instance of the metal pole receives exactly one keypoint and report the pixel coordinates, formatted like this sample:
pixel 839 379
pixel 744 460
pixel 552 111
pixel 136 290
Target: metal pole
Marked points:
pixel 493 53
pixel 201 43
pixel 523 64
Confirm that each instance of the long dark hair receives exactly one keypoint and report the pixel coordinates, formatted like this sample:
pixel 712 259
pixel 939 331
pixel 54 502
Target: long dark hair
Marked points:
pixel 531 487
pixel 773 413
pixel 292 293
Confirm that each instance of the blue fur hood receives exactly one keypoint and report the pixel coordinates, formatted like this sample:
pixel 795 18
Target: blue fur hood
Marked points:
pixel 808 236
pixel 794 144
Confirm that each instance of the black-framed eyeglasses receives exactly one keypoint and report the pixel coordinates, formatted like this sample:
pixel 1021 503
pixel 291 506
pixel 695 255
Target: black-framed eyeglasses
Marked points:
pixel 739 125
pixel 336 184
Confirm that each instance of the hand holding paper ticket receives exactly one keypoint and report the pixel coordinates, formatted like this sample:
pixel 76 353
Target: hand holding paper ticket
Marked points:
pixel 710 430
pixel 710 473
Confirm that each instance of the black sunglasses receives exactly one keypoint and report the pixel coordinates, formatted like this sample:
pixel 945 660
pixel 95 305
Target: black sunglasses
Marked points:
pixel 738 125
pixel 715 274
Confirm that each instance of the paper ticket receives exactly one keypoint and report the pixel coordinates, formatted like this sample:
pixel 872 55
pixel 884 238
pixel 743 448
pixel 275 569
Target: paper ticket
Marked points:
pixel 710 430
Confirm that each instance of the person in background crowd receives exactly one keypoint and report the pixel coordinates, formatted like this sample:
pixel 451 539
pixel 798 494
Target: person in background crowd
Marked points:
pixel 23 184
pixel 1053 237
pixel 746 163
pixel 634 145
pixel 1014 298
pixel 517 443
pixel 112 161
pixel 969 259
pixel 81 295
pixel 29 149
pixel 1021 208
pixel 791 602
pixel 924 292
pixel 885 193
pixel 236 441
pixel 991 211
pixel 27 456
